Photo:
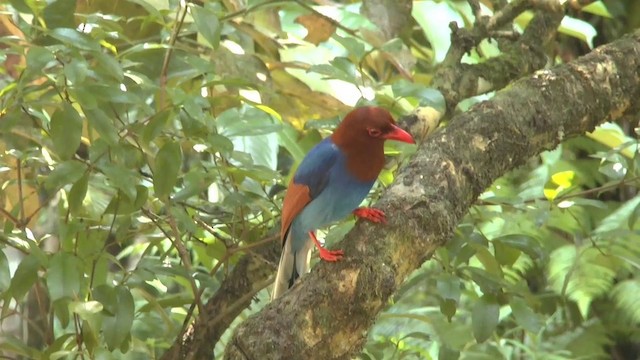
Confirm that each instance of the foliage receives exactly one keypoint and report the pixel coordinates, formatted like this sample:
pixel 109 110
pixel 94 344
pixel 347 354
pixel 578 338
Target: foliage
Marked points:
pixel 145 147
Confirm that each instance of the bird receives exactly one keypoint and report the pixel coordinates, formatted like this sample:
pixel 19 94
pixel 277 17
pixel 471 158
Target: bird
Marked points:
pixel 329 184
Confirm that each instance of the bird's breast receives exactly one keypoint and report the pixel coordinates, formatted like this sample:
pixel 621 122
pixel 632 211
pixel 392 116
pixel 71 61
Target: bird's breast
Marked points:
pixel 342 195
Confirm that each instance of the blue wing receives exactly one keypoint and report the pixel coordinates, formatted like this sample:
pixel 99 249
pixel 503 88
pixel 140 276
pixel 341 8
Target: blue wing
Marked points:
pixel 314 168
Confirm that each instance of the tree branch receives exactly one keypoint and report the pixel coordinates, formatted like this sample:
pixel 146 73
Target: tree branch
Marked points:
pixel 327 315
pixel 458 81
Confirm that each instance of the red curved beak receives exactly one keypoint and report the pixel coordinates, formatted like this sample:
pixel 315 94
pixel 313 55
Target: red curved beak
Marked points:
pixel 399 135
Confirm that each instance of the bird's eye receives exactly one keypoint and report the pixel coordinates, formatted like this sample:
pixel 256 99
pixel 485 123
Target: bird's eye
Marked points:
pixel 374 132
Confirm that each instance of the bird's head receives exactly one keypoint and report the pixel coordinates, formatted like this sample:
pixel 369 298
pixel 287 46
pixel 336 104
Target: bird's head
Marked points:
pixel 369 125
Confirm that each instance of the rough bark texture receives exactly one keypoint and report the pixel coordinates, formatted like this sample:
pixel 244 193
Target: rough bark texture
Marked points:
pixel 327 315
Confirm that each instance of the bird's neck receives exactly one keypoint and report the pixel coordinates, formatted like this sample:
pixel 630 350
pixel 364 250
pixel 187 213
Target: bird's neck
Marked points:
pixel 365 158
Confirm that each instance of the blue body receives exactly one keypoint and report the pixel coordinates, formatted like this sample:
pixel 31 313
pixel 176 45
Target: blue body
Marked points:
pixel 335 193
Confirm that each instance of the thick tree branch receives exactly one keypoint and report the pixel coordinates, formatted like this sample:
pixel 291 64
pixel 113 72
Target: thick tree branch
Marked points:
pixel 328 314
pixel 458 81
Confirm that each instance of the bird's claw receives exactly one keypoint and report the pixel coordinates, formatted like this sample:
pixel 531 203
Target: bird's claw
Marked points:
pixel 371 214
pixel 330 255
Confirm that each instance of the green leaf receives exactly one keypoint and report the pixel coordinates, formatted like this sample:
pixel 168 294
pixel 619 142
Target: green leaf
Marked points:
pixel 90 337
pixel 352 45
pixel 262 148
pixel 76 71
pixel 614 137
pixel 524 243
pixel 123 179
pixel 614 171
pixel 346 66
pixel 103 124
pixel 598 8
pixel 66 131
pixel 487 259
pixel 578 29
pixel 247 121
pixel 59 14
pixel 332 72
pixel 207 23
pixel 38 58
pixel 63 276
pixel 195 183
pixel 77 194
pixel 446 353
pixel 107 297
pixel 85 309
pixel 13 346
pixel 117 328
pixel 625 295
pixel 64 173
pixel 183 219
pixel 25 276
pixel 75 39
pixel 426 96
pixel 582 274
pixel 167 167
pixel 525 316
pixel 122 203
pixel 220 143
pixel 449 287
pixel 155 125
pixel 24 7
pixel 5 274
pixel 505 255
pixel 393 45
pixel 55 349
pixel 108 65
pixel 633 217
pixel 448 308
pixel 619 218
pixel 289 140
pixel 61 309
pixel 488 282
pixel 484 317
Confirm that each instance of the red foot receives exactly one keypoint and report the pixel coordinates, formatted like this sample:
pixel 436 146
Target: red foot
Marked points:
pixel 325 254
pixel 371 214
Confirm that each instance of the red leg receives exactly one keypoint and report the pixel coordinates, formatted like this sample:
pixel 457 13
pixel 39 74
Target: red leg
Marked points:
pixel 371 214
pixel 325 254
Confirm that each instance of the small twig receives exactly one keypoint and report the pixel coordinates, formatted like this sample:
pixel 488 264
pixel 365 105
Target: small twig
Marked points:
pixel 42 307
pixel 507 14
pixel 167 57
pixel 11 218
pixel 476 10
pixel 23 224
pixel 78 330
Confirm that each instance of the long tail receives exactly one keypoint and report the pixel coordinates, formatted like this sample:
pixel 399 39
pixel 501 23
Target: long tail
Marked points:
pixel 292 265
